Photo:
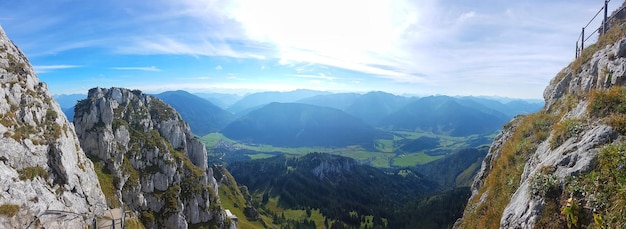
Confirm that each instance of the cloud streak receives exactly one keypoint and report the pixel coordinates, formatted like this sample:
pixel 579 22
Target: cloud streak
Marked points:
pixel 48 68
pixel 145 69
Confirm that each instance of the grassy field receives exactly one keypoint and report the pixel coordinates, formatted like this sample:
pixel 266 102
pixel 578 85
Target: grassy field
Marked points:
pixel 387 152
pixel 407 160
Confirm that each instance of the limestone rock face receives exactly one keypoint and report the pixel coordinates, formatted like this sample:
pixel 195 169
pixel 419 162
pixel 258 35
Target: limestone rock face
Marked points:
pixel 43 170
pixel 159 168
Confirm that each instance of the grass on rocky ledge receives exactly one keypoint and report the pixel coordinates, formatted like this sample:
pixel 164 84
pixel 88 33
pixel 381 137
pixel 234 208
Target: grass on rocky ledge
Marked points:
pixel 9 210
pixel 504 177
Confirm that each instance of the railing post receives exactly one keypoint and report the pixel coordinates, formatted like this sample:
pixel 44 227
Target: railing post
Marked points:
pixel 606 8
pixel 582 41
pixel 576 50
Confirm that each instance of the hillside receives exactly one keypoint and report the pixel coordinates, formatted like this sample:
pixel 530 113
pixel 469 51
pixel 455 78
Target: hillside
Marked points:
pixel 562 167
pixel 454 170
pixel 203 117
pixel 333 184
pixel 295 125
pixel 442 114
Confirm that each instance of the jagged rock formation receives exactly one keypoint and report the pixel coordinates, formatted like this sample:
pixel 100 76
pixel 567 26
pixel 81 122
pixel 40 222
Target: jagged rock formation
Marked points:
pixel 539 161
pixel 44 173
pixel 159 169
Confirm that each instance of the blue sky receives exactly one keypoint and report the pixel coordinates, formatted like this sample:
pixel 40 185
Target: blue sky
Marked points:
pixel 417 47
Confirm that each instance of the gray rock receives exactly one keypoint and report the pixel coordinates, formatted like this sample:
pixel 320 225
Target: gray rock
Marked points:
pixel 151 152
pixel 35 135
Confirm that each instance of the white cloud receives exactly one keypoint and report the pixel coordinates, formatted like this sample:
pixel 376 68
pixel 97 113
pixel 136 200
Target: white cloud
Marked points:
pixel 318 76
pixel 146 69
pixel 219 67
pixel 48 68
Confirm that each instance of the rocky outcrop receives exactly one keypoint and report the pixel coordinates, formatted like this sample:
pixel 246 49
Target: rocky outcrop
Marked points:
pixel 158 167
pixel 563 154
pixel 45 178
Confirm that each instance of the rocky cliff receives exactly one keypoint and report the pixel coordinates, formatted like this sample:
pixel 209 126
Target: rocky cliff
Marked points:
pixel 45 178
pixel 157 167
pixel 563 166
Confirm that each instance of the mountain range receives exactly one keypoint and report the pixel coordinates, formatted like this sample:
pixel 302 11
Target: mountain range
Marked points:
pixel 257 100
pixel 442 114
pixel 296 125
pixel 438 114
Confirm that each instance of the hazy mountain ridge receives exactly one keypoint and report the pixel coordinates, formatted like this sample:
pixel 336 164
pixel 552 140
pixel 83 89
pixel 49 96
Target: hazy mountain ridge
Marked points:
pixel 372 107
pixel 220 99
pixel 442 114
pixel 67 103
pixel 203 116
pixel 264 98
pixel 510 108
pixel 293 124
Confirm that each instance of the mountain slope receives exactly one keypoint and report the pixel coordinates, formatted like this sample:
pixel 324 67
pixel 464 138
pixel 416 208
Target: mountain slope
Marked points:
pixel 336 185
pixel 264 98
pixel 203 117
pixel 298 125
pixel 442 114
pixel 45 178
pixel 562 166
pixel 454 170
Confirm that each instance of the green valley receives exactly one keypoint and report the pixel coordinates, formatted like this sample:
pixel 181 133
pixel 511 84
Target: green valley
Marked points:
pixel 388 153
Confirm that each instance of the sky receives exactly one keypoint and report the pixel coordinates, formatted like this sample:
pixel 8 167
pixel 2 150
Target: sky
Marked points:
pixel 406 47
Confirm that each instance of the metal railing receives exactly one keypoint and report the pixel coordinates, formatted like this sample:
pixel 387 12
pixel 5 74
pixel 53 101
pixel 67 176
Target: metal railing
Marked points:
pixel 582 38
pixel 580 42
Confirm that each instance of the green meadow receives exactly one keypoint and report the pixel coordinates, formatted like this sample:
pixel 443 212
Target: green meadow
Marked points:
pixel 388 152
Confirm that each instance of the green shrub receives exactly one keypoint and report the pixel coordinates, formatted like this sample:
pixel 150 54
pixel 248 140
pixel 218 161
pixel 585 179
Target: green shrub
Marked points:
pixel 51 115
pixel 605 102
pixel 147 217
pixel 190 185
pixel 564 130
pixel 9 210
pixel 618 122
pixel 107 184
pixel 544 185
pixel 171 200
pixel 133 174
pixel 15 66
pixel 32 172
